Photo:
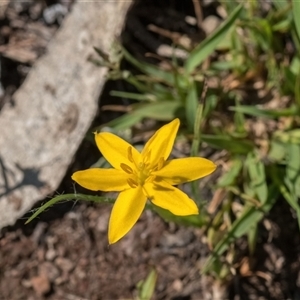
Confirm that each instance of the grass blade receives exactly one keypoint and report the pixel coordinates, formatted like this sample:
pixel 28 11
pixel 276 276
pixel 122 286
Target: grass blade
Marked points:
pixel 230 177
pixel 134 96
pixel 67 197
pixel 191 105
pixel 150 70
pixel 146 287
pixel 256 170
pixel 162 111
pixel 204 49
pixel 296 13
pixel 250 217
pixel 228 143
pixel 271 114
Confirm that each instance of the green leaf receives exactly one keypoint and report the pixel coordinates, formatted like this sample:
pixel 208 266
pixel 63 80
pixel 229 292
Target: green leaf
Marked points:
pixel 271 114
pixel 297 89
pixel 277 151
pixel 293 161
pixel 239 120
pixel 197 131
pixel 280 4
pixel 297 187
pixel 291 136
pixel 222 65
pixel 67 197
pixel 210 106
pixel 295 65
pixel 286 188
pixel 249 217
pixel 146 287
pixel 134 96
pixel 193 220
pixel 262 33
pixel 256 170
pixel 228 143
pixel 252 238
pixel 293 169
pixel 283 25
pixel 296 13
pixel 204 49
pixel 162 111
pixel 196 145
pixel 290 78
pixel 229 178
pixel 124 122
pixel 191 105
pixel 151 70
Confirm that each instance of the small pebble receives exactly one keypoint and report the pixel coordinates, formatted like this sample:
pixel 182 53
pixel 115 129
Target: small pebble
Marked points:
pixel 40 284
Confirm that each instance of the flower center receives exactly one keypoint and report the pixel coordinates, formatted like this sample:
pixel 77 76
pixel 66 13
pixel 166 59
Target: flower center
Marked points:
pixel 142 171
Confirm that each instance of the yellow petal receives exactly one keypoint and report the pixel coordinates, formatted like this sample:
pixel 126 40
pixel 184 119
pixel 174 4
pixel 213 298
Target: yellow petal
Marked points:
pixel 102 179
pixel 161 143
pixel 115 150
pixel 171 198
pixel 181 170
pixel 125 213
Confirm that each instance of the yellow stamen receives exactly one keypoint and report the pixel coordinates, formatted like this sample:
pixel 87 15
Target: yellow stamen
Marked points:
pixel 151 178
pixel 161 163
pixel 132 183
pixel 147 157
pixel 130 157
pixel 126 168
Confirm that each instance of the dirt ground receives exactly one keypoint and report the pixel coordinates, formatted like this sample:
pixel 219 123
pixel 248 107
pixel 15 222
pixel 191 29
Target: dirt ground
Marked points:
pixel 64 255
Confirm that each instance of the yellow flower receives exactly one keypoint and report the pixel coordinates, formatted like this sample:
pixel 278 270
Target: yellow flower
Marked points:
pixel 143 176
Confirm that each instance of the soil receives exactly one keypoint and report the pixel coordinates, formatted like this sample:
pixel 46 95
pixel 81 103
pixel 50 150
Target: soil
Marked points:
pixel 64 255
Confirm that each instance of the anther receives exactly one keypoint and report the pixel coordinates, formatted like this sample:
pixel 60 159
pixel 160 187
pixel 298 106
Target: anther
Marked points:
pixel 150 178
pixel 160 163
pixel 132 183
pixel 147 156
pixel 130 157
pixel 126 168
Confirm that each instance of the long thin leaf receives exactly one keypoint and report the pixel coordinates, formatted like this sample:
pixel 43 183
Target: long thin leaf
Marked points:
pixel 256 170
pixel 192 220
pixel 204 49
pixel 271 113
pixel 250 217
pixel 147 286
pixel 134 96
pixel 279 4
pixel 291 136
pixel 296 13
pixel 191 105
pixel 289 196
pixel 228 143
pixel 197 130
pixel 67 197
pixel 151 70
pixel 231 176
pixel 252 238
pixel 123 122
pixel 162 111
